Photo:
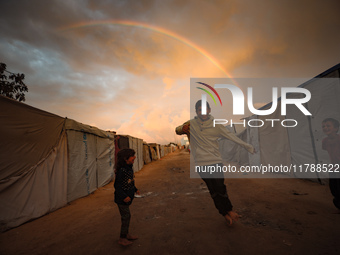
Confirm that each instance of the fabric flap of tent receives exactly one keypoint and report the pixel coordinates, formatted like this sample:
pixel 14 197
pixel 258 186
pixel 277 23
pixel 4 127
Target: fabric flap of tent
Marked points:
pixel 77 126
pixel 91 162
pixel 82 174
pixel 27 136
pixel 274 142
pixel 306 141
pixel 34 193
pixel 146 153
pixel 137 145
pixel 127 141
pixel 105 161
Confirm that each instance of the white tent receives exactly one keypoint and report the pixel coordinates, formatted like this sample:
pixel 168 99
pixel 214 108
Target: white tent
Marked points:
pixel 137 145
pixel 47 161
pixel 155 151
pixel 303 144
pixel 91 159
pixel 146 153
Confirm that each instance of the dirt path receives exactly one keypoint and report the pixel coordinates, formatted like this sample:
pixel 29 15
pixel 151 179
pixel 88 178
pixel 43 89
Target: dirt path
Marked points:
pixel 177 216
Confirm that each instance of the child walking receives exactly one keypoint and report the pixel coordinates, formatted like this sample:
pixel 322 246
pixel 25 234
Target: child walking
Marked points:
pixel 331 144
pixel 125 190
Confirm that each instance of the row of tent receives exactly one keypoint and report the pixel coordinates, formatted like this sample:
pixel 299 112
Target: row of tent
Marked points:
pixel 47 161
pixel 300 146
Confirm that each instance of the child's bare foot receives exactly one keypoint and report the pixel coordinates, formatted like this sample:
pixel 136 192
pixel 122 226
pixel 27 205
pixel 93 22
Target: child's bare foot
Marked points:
pixel 124 242
pixel 231 216
pixel 131 237
pixel 228 219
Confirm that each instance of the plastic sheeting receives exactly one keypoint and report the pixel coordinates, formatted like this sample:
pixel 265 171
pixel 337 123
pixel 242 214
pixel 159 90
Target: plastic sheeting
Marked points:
pixel 126 141
pixel 146 154
pixel 22 145
pixel 91 159
pixel 273 137
pixel 47 161
pixel 253 139
pixel 302 144
pixel 40 190
pixel 306 141
pixel 154 149
pixel 33 163
pixel 137 145
pixel 82 169
pixel 105 161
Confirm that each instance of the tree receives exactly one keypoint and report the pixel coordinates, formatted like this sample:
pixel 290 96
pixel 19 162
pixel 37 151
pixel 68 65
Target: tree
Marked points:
pixel 12 85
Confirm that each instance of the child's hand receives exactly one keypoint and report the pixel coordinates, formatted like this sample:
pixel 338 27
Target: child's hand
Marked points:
pixel 127 200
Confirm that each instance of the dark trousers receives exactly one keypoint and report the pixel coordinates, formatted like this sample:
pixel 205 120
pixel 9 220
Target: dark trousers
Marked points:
pixel 334 185
pixel 218 192
pixel 125 214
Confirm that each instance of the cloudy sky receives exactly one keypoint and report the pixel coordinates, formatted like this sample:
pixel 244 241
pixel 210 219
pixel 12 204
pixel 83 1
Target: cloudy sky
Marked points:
pixel 126 65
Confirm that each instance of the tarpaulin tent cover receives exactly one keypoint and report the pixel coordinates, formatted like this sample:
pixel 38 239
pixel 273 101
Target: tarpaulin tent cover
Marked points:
pixel 146 153
pixel 155 153
pixel 33 163
pixel 301 145
pixel 47 161
pixel 91 158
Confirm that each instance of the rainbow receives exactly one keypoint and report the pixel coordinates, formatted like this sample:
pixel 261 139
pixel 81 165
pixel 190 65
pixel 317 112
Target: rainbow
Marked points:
pixel 159 30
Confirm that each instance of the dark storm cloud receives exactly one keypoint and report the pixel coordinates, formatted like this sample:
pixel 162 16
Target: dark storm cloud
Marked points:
pixel 93 72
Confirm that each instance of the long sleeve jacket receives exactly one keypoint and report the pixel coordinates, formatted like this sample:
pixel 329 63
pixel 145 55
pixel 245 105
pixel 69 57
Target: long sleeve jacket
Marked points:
pixel 203 137
pixel 124 184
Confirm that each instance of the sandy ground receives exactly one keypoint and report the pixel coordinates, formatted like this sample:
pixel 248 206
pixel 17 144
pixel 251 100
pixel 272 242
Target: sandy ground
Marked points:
pixel 177 216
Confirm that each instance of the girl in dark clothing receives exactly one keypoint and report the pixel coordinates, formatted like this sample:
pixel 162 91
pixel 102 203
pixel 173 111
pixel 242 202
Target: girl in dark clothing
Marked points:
pixel 125 190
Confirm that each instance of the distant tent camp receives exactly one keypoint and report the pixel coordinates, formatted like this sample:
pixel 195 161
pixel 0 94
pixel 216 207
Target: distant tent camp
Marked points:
pixel 302 145
pixel 146 153
pixel 155 151
pixel 47 161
